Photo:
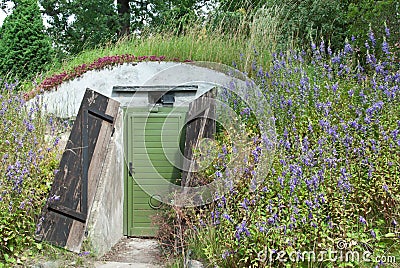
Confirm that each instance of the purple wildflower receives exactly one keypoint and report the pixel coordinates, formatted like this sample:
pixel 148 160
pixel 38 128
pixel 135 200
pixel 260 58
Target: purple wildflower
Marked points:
pixel 242 228
pixel 226 216
pixel 336 59
pixel 244 204
pixel 225 254
pixel 387 31
pixel 56 141
pixel 246 111
pixel 367 45
pixel 218 174
pixel 335 87
pixel 372 38
pixel 322 47
pixel 362 220
pixel 373 234
pixel 215 217
pixel 348 49
pixel 385 48
pixel 271 220
pixel 385 187
pixel 85 253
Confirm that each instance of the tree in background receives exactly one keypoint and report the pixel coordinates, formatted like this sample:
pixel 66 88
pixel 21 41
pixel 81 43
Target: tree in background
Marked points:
pixel 124 13
pixel 175 16
pixel 78 25
pixel 305 21
pixel 25 49
pixel 234 5
pixel 157 15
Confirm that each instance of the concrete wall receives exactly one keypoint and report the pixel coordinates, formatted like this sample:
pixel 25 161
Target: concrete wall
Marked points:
pixel 105 224
pixel 64 101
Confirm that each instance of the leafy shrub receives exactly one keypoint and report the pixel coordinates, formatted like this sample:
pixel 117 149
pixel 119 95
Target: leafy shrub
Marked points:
pixel 334 180
pixel 229 22
pixel 28 163
pixel 177 20
pixel 75 26
pixel 25 49
pixel 368 15
pixel 310 20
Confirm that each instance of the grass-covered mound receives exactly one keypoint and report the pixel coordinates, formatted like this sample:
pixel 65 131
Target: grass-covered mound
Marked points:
pixel 334 176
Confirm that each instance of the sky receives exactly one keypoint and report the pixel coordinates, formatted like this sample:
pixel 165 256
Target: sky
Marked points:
pixel 10 5
pixel 3 14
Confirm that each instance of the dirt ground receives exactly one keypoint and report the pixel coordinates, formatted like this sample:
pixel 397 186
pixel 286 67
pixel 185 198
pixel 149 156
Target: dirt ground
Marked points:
pixel 132 252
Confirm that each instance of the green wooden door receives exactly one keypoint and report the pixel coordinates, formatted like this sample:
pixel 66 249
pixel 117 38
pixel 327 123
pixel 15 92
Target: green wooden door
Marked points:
pixel 152 138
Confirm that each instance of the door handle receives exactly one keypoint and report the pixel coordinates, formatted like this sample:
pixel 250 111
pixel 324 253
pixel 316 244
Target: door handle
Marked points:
pixel 131 169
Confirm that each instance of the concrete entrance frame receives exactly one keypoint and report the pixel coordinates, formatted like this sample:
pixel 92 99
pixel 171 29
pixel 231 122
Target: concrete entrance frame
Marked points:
pixel 105 225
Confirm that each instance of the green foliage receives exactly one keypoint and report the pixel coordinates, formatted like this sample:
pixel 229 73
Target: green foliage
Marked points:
pixel 27 168
pixel 176 20
pixel 229 22
pixel 333 21
pixel 25 49
pixel 310 20
pixel 76 26
pixel 196 44
pixel 79 25
pixel 334 180
pixel 367 15
pixel 174 16
pixel 248 5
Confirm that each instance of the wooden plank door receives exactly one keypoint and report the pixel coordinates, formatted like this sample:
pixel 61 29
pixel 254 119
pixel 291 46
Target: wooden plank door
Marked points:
pixel 64 217
pixel 199 124
pixel 151 140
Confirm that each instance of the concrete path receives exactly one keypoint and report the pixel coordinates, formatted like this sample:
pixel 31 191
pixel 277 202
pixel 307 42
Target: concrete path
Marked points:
pixel 132 252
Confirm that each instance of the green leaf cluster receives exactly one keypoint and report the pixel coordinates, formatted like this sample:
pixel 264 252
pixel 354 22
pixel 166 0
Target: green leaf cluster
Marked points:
pixel 78 25
pixel 25 49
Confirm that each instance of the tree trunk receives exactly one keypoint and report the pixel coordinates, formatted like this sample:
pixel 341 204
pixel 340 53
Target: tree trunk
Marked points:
pixel 124 13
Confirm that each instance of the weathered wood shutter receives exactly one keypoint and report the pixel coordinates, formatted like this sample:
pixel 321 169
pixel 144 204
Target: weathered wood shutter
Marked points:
pixel 199 124
pixel 73 190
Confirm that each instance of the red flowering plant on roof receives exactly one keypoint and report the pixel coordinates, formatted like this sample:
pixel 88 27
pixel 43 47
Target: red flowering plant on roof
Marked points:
pixel 104 62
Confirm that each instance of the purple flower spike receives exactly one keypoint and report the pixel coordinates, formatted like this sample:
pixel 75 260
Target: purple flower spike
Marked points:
pixel 385 48
pixel 226 216
pixel 85 253
pixel 372 38
pixel 347 48
pixel 387 31
pixel 385 188
pixel 373 234
pixel 362 220
pixel 244 204
pixel 367 45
